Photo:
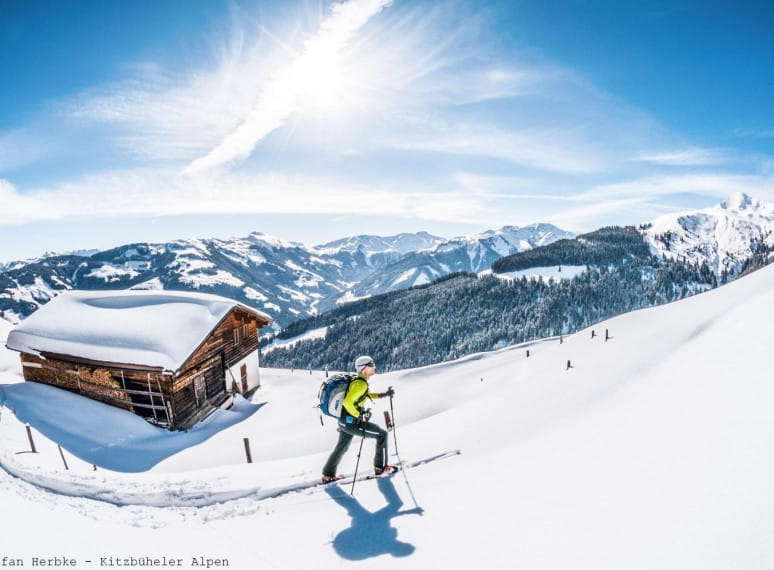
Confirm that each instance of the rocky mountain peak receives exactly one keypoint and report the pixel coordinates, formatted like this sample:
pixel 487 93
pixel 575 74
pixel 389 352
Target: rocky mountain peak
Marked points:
pixel 724 236
pixel 739 201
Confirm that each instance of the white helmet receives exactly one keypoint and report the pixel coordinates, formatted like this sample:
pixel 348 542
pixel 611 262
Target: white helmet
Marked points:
pixel 361 362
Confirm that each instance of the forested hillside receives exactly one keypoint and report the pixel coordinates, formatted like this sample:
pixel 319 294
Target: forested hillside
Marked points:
pixel 465 313
pixel 608 245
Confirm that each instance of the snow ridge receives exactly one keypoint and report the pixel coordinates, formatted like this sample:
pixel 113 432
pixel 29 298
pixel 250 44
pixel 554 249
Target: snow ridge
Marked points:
pixel 723 236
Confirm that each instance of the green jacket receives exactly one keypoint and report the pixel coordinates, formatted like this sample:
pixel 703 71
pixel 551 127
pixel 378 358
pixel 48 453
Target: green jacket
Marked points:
pixel 356 394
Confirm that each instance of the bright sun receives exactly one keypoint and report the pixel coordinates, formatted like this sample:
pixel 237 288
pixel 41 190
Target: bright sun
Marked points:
pixel 318 80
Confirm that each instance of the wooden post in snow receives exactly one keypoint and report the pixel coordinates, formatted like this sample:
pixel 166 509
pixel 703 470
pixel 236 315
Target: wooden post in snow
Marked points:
pixel 29 436
pixel 247 450
pixel 61 453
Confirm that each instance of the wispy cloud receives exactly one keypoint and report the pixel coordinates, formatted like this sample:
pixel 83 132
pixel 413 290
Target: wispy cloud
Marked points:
pixel 685 157
pixel 20 208
pixel 413 70
pixel 490 84
pixel 589 215
pixel 166 115
pixel 153 192
pixel 310 72
pixel 539 148
pixel 21 147
pixel 711 185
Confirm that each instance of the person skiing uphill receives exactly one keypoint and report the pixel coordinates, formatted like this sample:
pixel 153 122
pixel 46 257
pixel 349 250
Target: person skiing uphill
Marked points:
pixel 354 421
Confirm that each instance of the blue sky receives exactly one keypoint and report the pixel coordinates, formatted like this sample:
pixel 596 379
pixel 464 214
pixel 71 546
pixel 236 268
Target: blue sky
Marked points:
pixel 149 121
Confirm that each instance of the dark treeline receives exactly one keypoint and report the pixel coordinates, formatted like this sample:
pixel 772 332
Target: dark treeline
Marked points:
pixel 605 246
pixel 462 314
pixel 351 309
pixel 762 256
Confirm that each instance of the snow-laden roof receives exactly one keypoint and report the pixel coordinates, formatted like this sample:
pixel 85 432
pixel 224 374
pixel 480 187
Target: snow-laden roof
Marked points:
pixel 148 328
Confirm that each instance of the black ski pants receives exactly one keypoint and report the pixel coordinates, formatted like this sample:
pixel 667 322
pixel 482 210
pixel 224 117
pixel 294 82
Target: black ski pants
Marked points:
pixel 346 433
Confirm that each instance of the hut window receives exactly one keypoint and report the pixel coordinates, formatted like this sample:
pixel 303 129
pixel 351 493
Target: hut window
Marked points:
pixel 240 334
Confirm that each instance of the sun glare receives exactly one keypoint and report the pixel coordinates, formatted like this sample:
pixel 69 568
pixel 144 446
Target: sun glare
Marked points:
pixel 317 79
pixel 312 85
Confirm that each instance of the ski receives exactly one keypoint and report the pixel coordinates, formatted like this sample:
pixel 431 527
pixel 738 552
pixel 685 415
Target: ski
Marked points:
pixel 348 478
pixel 443 455
pixel 396 468
pixel 400 466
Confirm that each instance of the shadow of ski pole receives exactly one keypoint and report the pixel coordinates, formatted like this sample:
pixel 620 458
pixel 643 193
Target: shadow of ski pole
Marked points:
pixel 371 534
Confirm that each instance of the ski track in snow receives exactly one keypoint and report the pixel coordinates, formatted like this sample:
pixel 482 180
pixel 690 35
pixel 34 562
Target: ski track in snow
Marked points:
pixel 106 509
pixel 137 502
pixel 190 497
pixel 181 509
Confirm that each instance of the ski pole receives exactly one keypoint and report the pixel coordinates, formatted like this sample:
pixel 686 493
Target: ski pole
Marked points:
pixel 400 461
pixel 354 477
pixel 394 436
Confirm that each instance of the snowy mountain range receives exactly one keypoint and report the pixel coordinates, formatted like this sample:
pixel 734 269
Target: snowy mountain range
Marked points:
pixel 290 280
pixel 472 253
pixel 286 279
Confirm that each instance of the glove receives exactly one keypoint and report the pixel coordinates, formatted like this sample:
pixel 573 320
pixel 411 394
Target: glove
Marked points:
pixel 389 393
pixel 365 415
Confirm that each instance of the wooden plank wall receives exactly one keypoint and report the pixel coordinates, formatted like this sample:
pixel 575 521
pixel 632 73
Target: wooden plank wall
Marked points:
pixel 126 389
pixel 210 359
pixel 221 341
pixel 184 401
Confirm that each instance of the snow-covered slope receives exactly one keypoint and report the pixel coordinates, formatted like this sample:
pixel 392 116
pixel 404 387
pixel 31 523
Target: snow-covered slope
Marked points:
pixel 723 236
pixel 651 450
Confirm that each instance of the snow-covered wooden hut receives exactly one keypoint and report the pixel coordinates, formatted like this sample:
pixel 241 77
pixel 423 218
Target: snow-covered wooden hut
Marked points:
pixel 168 356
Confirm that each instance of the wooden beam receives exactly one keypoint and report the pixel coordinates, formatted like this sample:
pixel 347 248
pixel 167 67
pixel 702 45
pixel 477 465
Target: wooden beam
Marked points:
pixel 99 363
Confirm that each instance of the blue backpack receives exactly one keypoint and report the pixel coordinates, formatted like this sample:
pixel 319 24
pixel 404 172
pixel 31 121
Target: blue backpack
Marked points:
pixel 332 392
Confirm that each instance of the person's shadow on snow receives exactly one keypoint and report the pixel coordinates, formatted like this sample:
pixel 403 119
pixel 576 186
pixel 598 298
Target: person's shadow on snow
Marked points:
pixel 371 534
